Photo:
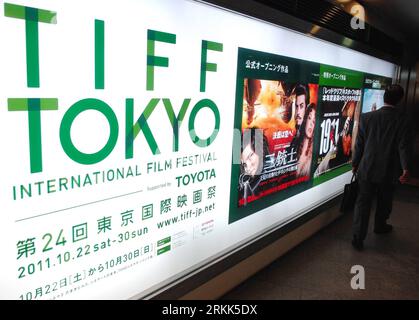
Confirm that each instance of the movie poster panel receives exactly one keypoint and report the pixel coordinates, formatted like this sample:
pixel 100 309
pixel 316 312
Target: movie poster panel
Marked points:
pixel 339 109
pixel 286 123
pixel 337 118
pixel 276 120
pixel 373 97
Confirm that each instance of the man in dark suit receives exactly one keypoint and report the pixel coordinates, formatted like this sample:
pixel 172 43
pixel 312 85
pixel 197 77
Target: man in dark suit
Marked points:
pixel 379 158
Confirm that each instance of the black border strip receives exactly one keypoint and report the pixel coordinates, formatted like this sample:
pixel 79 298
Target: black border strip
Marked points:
pixel 269 14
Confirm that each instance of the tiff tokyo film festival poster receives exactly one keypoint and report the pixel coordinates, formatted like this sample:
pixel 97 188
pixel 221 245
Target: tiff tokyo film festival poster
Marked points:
pixel 340 108
pixel 278 125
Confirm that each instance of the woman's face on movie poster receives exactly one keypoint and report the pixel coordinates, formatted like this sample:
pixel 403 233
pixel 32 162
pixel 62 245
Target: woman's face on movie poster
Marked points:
pixel 311 123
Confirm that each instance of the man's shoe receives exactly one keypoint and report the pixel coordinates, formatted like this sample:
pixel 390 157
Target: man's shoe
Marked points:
pixel 385 228
pixel 357 244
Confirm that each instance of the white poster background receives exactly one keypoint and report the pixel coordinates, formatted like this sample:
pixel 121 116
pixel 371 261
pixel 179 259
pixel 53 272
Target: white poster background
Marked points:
pixel 66 52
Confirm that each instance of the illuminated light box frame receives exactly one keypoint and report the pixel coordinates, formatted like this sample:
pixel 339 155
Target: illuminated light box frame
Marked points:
pixel 117 126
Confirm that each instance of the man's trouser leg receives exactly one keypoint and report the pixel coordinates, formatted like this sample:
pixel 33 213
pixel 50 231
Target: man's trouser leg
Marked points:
pixel 384 203
pixel 362 209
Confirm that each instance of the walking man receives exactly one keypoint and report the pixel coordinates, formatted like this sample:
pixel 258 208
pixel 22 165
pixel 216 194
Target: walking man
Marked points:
pixel 380 160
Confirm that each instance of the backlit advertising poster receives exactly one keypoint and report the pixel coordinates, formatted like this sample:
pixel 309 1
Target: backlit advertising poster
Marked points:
pixel 340 103
pixel 373 96
pixel 137 135
pixel 276 120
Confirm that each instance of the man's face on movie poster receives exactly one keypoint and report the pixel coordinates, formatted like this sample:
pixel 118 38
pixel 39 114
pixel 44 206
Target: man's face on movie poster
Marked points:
pixel 300 105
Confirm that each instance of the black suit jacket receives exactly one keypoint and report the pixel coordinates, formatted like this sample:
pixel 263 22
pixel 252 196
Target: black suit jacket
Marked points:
pixel 381 148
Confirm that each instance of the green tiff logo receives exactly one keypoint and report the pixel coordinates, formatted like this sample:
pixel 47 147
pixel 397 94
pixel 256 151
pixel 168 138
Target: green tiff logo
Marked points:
pixel 133 127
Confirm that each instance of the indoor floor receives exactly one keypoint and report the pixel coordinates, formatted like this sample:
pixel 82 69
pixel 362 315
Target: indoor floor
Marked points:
pixel 320 267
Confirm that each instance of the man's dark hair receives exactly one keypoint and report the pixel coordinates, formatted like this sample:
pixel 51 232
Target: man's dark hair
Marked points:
pixel 393 94
pixel 300 90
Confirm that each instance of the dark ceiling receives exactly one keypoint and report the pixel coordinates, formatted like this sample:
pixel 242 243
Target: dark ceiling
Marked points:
pixel 401 14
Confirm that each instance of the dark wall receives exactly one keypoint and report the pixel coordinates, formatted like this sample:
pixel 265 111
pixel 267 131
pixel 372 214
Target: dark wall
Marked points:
pixel 409 79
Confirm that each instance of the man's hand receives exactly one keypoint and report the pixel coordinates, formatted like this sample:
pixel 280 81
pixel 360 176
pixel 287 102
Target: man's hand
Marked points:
pixel 354 169
pixel 404 177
